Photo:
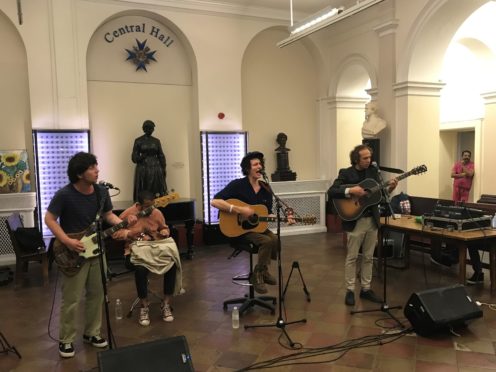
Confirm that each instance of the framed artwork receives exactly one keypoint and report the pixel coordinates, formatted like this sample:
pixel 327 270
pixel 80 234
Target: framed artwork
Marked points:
pixel 14 172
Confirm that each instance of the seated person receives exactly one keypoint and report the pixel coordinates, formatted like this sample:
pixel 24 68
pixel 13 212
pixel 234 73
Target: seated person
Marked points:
pixel 478 276
pixel 448 255
pixel 151 227
pixel 250 190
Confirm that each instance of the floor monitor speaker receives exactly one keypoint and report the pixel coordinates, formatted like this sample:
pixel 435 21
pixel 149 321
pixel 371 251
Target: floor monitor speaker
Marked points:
pixel 170 354
pixel 439 309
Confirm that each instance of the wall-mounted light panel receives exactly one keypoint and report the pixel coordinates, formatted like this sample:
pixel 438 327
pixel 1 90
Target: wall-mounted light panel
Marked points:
pixel 52 151
pixel 222 153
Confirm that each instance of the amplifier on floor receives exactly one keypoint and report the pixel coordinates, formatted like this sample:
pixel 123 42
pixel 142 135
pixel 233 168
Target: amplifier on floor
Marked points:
pixel 170 354
pixel 440 309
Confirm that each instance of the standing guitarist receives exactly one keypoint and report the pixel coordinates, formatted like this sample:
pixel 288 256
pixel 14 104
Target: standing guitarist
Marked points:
pixel 361 232
pixel 249 190
pixel 72 210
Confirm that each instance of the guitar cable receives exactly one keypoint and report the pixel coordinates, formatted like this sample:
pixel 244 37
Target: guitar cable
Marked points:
pixel 52 307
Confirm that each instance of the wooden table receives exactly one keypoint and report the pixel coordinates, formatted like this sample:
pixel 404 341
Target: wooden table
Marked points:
pixel 459 239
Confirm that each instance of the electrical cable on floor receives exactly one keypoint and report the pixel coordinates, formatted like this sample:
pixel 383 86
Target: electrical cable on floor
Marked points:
pixel 342 348
pixel 490 306
pixel 52 307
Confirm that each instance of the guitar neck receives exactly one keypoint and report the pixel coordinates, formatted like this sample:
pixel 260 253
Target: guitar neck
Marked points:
pixel 405 175
pixel 108 232
pixel 399 178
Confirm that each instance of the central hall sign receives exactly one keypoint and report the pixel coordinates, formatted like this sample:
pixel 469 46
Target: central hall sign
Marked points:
pixel 142 28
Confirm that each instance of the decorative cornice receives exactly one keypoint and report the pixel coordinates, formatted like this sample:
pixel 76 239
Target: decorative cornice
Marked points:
pixel 489 97
pixel 372 92
pixel 418 88
pixel 387 28
pixel 347 102
pixel 209 7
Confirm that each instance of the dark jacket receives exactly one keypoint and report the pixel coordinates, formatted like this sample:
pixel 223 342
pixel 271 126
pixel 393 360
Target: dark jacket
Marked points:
pixel 351 176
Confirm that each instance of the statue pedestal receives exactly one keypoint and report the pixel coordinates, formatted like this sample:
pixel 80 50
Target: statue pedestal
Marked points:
pixel 284 175
pixel 375 145
pixel 283 172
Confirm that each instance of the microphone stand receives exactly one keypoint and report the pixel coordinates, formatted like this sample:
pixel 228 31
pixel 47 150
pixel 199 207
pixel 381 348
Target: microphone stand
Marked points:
pixel 385 308
pixel 281 323
pixel 100 244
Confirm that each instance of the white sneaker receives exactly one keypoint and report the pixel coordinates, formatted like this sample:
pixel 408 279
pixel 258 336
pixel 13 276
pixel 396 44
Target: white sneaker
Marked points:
pixel 66 350
pixel 144 318
pixel 167 313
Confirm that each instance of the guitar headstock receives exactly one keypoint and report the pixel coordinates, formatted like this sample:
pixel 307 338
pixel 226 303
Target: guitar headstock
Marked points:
pixel 420 169
pixel 164 200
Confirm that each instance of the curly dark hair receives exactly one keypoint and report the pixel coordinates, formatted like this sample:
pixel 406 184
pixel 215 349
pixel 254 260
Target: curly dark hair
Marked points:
pixel 355 153
pixel 246 162
pixel 78 164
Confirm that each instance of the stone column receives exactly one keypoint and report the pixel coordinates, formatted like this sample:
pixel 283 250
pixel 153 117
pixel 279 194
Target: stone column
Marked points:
pixel 416 136
pixel 487 176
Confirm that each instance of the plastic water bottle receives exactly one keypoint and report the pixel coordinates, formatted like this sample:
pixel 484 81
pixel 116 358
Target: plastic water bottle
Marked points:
pixel 118 309
pixel 235 317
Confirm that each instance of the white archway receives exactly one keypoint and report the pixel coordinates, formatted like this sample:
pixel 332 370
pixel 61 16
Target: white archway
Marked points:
pixel 121 96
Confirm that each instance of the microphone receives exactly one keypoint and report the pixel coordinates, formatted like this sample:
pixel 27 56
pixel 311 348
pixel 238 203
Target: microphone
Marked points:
pixel 374 164
pixel 108 185
pixel 264 175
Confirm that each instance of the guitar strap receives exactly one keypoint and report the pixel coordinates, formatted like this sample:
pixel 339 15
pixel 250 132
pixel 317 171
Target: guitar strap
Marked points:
pixel 99 204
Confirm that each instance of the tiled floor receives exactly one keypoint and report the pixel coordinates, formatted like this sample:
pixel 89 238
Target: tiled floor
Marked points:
pixel 215 346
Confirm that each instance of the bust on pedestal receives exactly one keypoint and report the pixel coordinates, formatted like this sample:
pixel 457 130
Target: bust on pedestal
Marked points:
pixel 373 124
pixel 283 172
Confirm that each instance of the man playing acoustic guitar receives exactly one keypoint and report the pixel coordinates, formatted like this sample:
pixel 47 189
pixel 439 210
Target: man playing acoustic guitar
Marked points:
pixel 361 232
pixel 72 210
pixel 249 190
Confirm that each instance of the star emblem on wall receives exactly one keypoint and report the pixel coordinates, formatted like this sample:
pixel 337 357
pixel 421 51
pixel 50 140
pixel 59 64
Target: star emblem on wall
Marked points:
pixel 141 55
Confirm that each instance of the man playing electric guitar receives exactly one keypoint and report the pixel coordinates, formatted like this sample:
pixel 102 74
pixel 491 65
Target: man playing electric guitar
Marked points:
pixel 249 190
pixel 72 209
pixel 361 232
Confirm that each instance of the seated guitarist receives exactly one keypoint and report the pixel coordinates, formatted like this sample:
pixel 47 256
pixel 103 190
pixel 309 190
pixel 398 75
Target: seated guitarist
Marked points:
pixel 72 210
pixel 249 190
pixel 363 231
pixel 149 228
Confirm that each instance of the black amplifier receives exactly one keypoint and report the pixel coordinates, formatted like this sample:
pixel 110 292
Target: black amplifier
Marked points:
pixel 451 224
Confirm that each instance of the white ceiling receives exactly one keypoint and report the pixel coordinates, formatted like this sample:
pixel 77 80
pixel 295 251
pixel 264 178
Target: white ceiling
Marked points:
pixel 304 7
pixel 261 8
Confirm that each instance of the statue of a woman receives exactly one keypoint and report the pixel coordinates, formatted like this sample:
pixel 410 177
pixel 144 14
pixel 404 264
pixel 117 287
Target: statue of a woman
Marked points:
pixel 150 163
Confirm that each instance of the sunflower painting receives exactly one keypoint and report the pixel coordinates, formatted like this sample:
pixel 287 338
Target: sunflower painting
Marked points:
pixel 14 172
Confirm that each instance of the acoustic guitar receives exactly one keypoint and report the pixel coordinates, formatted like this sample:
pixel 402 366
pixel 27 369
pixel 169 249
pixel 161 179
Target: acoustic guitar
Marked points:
pixel 350 209
pixel 233 224
pixel 70 262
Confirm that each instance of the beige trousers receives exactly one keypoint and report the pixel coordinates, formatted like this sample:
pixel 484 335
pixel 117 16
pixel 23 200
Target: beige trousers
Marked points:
pixel 364 235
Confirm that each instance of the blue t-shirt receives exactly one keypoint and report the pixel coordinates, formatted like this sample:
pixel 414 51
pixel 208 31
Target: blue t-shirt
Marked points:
pixel 241 189
pixel 77 211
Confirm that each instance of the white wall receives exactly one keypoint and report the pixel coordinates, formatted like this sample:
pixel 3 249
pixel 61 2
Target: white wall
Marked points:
pixel 280 95
pixel 56 35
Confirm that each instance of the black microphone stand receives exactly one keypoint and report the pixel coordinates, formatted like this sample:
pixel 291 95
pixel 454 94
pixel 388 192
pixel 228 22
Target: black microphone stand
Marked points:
pixel 385 308
pixel 280 323
pixel 6 347
pixel 101 250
